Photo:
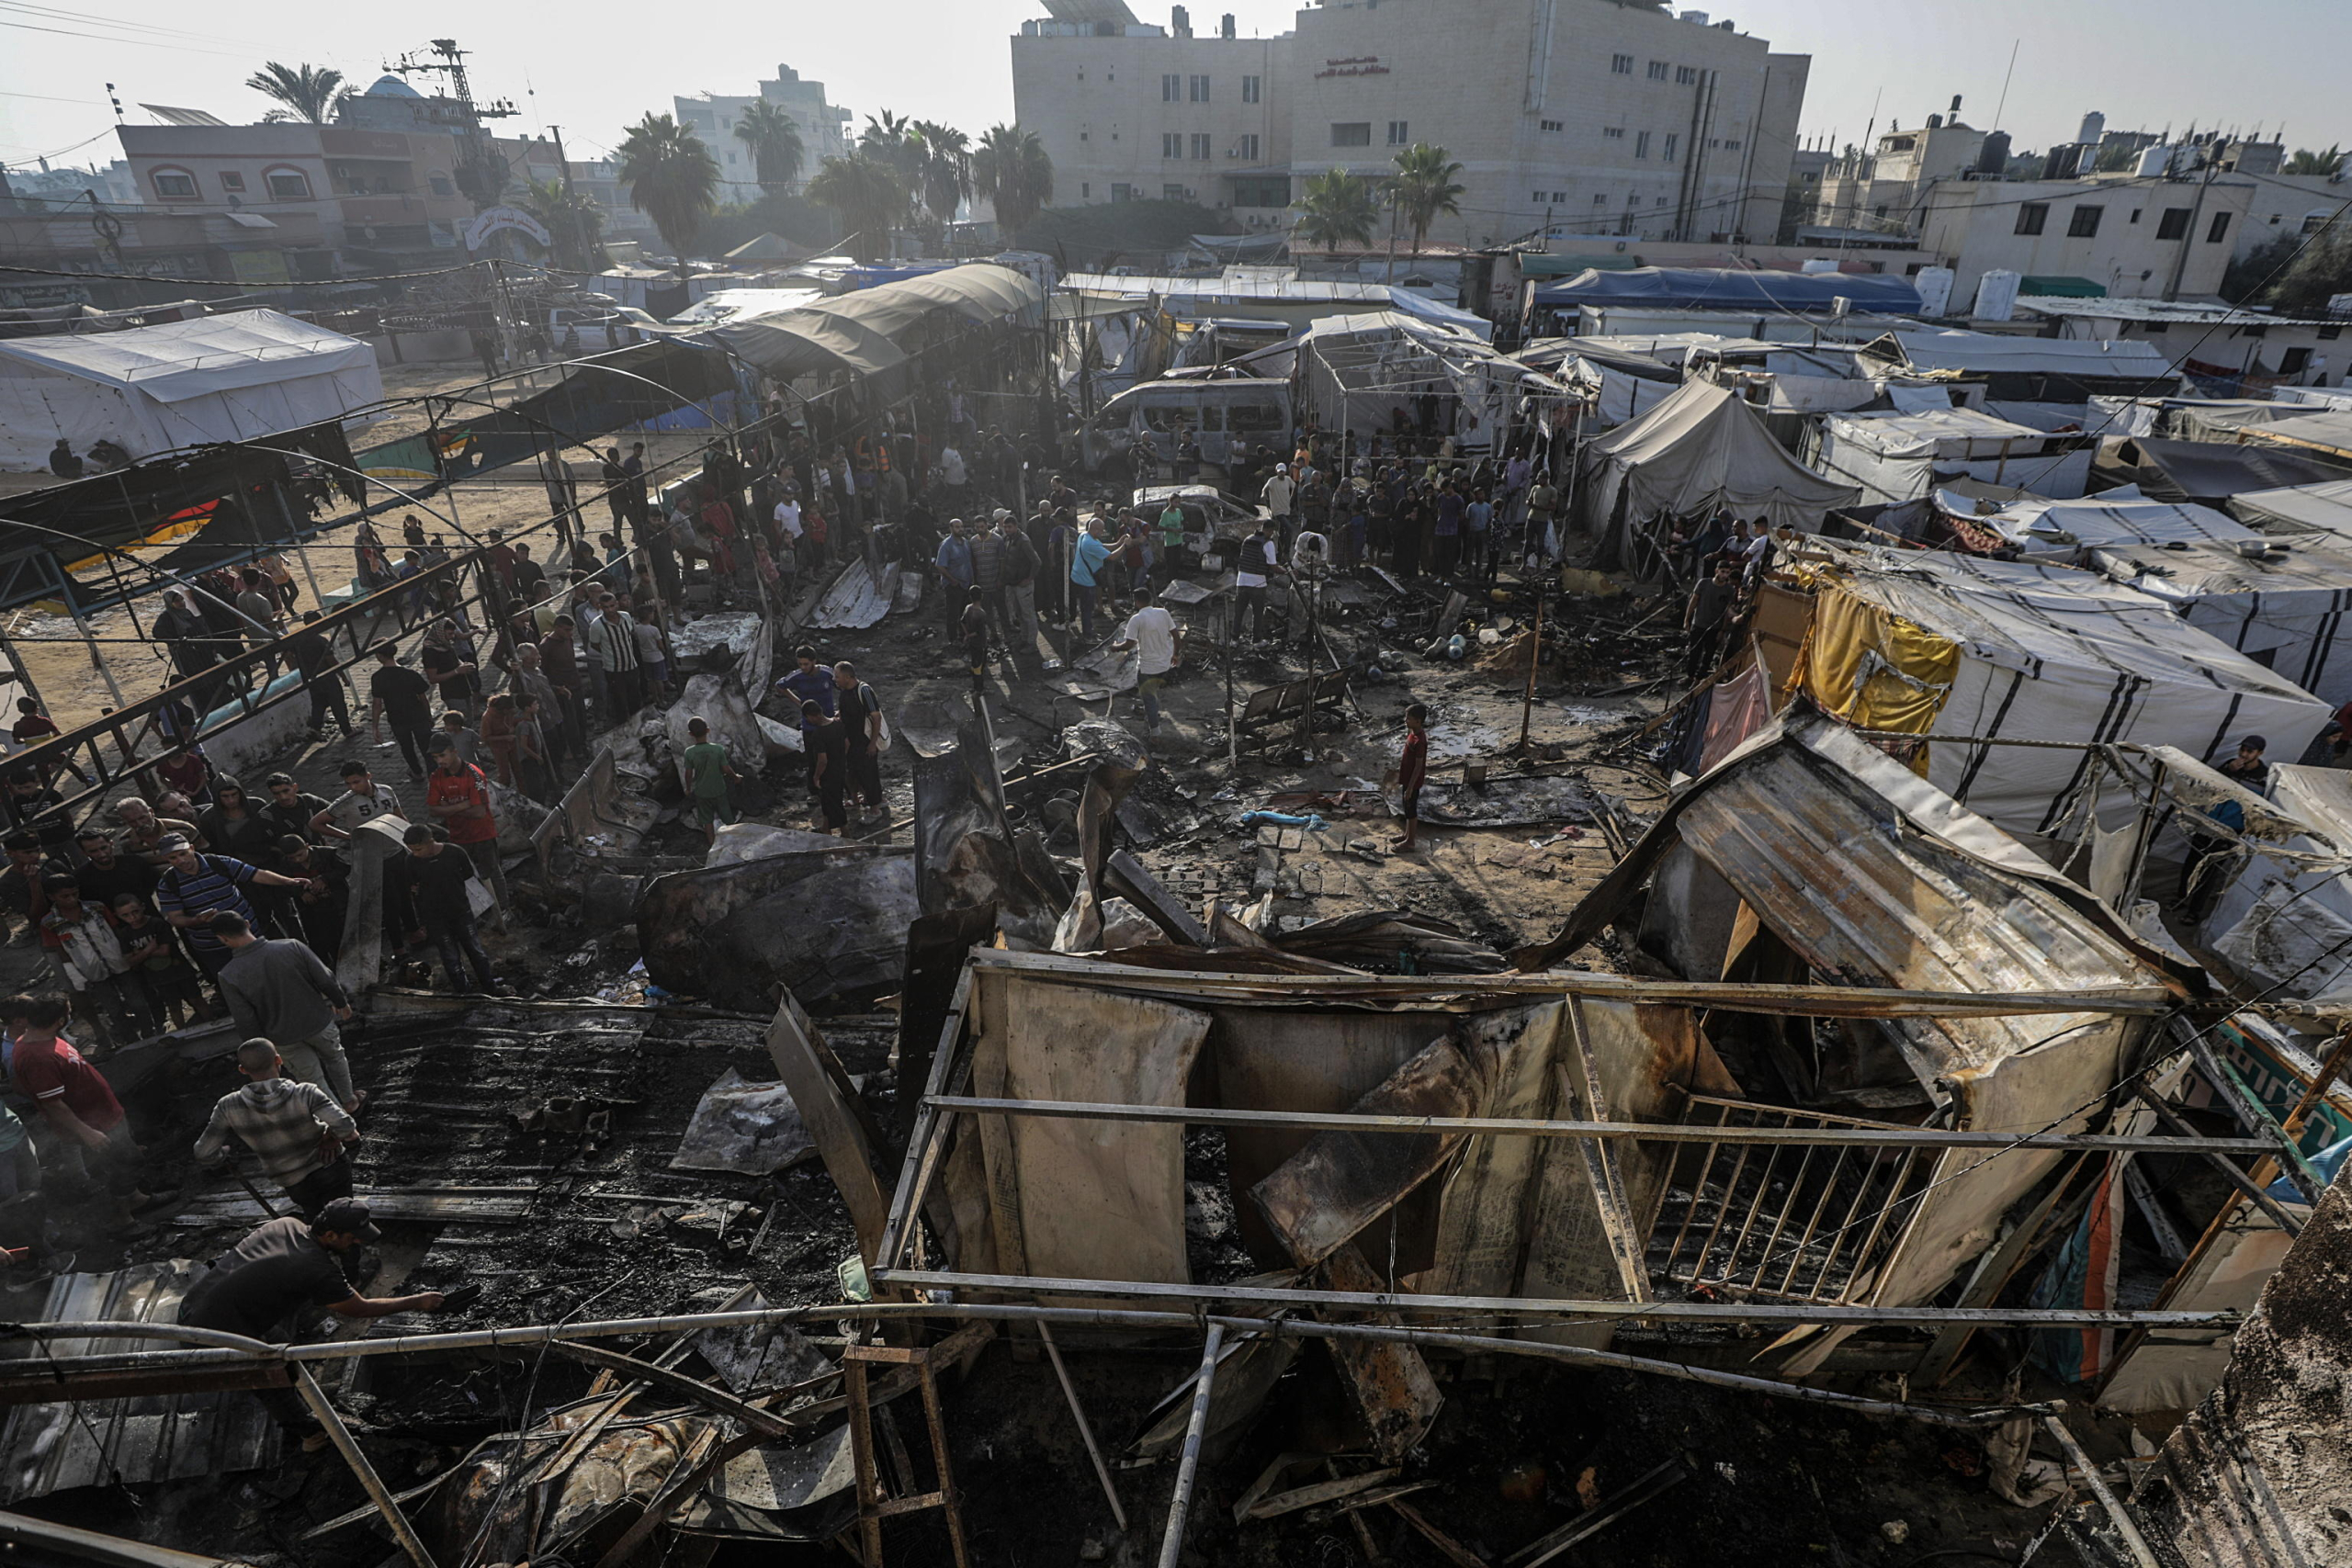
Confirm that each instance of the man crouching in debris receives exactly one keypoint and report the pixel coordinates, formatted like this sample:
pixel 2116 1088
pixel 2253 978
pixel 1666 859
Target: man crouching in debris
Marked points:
pixel 296 1129
pixel 427 888
pixel 285 1269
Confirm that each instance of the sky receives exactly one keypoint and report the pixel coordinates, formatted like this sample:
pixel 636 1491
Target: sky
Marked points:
pixel 2145 63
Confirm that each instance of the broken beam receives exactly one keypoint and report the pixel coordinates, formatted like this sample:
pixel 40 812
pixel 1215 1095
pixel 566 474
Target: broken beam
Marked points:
pixel 1641 1132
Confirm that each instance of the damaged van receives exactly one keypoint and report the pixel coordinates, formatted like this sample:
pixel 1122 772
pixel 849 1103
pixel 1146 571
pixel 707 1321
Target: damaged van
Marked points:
pixel 1222 414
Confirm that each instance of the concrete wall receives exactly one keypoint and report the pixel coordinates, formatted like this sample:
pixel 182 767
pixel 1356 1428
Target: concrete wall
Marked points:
pixel 1973 224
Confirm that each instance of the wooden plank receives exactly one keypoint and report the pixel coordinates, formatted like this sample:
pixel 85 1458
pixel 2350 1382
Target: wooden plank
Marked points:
pixel 836 1129
pixel 1320 1492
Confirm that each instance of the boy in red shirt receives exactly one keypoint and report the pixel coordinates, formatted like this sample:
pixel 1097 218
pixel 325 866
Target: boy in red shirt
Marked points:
pixel 1412 767
pixel 77 1103
pixel 458 797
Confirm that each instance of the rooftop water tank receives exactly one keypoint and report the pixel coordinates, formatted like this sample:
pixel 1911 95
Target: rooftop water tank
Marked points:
pixel 2154 162
pixel 1696 18
pixel 1993 158
pixel 2094 129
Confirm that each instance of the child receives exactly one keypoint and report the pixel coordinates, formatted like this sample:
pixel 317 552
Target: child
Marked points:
pixel 155 956
pixel 1412 767
pixel 708 773
pixel 974 629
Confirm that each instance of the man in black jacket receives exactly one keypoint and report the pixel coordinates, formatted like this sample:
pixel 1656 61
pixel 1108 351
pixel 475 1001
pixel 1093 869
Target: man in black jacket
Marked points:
pixel 427 886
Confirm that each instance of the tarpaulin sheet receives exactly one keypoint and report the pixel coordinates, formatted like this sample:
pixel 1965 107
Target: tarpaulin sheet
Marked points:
pixel 2286 920
pixel 2285 609
pixel 2063 532
pixel 2318 508
pixel 2211 472
pixel 1700 450
pixel 1727 288
pixel 861 333
pixel 2330 432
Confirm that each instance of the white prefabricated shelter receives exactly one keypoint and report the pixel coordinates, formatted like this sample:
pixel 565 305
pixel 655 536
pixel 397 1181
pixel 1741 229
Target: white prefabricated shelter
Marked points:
pixel 2283 607
pixel 1932 643
pixel 1896 456
pixel 1700 450
pixel 237 377
pixel 2063 532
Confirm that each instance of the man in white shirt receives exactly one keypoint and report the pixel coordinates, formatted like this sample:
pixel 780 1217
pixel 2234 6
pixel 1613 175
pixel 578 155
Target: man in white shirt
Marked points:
pixel 1153 633
pixel 1277 495
pixel 362 800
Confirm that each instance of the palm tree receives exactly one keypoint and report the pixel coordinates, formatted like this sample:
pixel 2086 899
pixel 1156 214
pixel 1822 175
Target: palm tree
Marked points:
pixel 867 194
pixel 946 168
pixel 1014 171
pixel 891 139
pixel 2306 162
pixel 308 91
pixel 574 221
pixel 775 141
pixel 1337 210
pixel 1425 188
pixel 672 178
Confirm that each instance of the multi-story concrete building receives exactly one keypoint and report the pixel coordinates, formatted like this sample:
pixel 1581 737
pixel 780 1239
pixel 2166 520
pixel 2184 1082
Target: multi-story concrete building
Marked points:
pixel 824 128
pixel 1611 115
pixel 89 249
pixel 2136 238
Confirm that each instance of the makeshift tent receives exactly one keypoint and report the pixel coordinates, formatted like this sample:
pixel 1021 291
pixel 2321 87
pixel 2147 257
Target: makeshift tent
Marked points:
pixel 2285 921
pixel 2329 432
pixel 1894 455
pixel 2060 533
pixel 1929 643
pixel 1728 288
pixel 1700 450
pixel 2211 472
pixel 2298 509
pixel 1357 373
pixel 2283 608
pixel 770 247
pixel 1999 354
pixel 237 377
pixel 872 331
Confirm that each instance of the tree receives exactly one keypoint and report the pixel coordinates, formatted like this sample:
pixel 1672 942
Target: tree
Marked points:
pixel 891 139
pixel 1425 188
pixel 774 141
pixel 574 222
pixel 2306 162
pixel 672 178
pixel 2319 272
pixel 947 167
pixel 867 194
pixel 1014 171
pixel 308 91
pixel 1337 210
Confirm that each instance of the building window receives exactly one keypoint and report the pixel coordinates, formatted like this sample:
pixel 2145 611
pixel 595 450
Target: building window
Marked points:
pixel 1171 90
pixel 1171 193
pixel 1657 70
pixel 730 158
pixel 2174 224
pixel 1262 190
pixel 1123 193
pixel 1732 144
pixel 2219 226
pixel 1673 140
pixel 287 185
pixel 1172 144
pixel 2033 216
pixel 1601 200
pixel 232 181
pixel 1686 75
pixel 1352 133
pixel 2083 222
pixel 1641 144
pixel 1621 64
pixel 1248 149
pixel 2329 334
pixel 2294 362
pixel 1614 133
pixel 174 184
pixel 1085 191
pixel 1550 125
pixel 1200 153
pixel 1559 196
pixel 1250 88
pixel 1200 89
pixel 441 185
pixel 1401 133
pixel 2155 329
pixel 1536 196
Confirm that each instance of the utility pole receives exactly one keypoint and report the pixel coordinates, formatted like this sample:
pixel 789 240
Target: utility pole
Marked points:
pixel 2189 236
pixel 579 256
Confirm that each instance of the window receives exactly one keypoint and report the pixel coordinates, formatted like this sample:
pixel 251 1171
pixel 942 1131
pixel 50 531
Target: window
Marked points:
pixel 1352 133
pixel 2295 361
pixel 1732 144
pixel 1641 144
pixel 1550 125
pixel 1171 90
pixel 1401 133
pixel 2329 334
pixel 730 157
pixel 1171 143
pixel 2219 226
pixel 1248 149
pixel 2032 218
pixel 1621 64
pixel 1085 191
pixel 1614 133
pixel 2155 329
pixel 1601 200
pixel 1200 89
pixel 1559 196
pixel 1673 140
pixel 442 186
pixel 2135 213
pixel 232 181
pixel 1262 190
pixel 1250 88
pixel 1657 70
pixel 1171 193
pixel 2083 222
pixel 1200 152
pixel 287 185
pixel 1686 75
pixel 174 184
pixel 1123 193
pixel 2174 224
pixel 1536 196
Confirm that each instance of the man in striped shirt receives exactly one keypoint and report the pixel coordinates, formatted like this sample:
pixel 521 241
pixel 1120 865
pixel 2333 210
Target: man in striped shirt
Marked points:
pixel 614 639
pixel 194 887
pixel 296 1130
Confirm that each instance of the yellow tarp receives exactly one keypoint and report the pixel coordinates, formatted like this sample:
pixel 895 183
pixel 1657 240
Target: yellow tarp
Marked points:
pixel 1870 667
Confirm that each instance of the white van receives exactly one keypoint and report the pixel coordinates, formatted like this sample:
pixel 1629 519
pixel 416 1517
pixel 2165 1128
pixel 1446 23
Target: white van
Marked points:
pixel 1218 412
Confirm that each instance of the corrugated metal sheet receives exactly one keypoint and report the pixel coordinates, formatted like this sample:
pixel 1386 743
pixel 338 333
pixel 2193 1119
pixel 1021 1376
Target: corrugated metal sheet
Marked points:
pixel 55 1448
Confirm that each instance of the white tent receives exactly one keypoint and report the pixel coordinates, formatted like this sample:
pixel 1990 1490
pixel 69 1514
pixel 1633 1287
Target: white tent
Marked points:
pixel 2315 509
pixel 2060 533
pixel 2286 920
pixel 2284 608
pixel 1896 455
pixel 237 377
pixel 1700 450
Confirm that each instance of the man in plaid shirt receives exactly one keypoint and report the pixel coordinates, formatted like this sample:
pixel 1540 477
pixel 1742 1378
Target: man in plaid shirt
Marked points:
pixel 297 1129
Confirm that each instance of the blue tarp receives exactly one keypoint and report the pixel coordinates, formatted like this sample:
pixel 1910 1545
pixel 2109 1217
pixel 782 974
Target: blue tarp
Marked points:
pixel 1724 289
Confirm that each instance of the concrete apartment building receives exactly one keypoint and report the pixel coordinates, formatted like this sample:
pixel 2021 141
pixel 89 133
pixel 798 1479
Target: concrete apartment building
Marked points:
pixel 824 128
pixel 1609 116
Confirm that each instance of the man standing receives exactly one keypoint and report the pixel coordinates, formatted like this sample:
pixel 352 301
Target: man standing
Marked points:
pixel 309 652
pixel 987 579
pixel 197 888
pixel 266 1286
pixel 1089 556
pixel 448 660
pixel 282 991
pixel 1157 640
pixel 1709 614
pixel 613 642
pixel 406 698
pixel 144 832
pixel 106 875
pixel 78 1106
pixel 1542 506
pixel 1258 564
pixel 530 680
pixel 1278 495
pixel 291 809
pixel 708 773
pixel 2249 771
pixel 865 735
pixel 953 561
pixel 1018 604
pixel 458 797
pixel 362 800
pixel 429 902
pixel 297 1131
pixel 82 938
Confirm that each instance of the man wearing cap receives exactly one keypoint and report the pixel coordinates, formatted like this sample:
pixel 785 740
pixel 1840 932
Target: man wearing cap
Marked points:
pixel 1278 495
pixel 297 1131
pixel 268 1285
pixel 1017 606
pixel 194 887
pixel 283 992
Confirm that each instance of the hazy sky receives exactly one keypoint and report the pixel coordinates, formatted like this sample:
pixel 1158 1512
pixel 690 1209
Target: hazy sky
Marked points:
pixel 2147 62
